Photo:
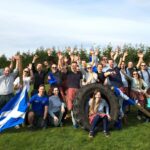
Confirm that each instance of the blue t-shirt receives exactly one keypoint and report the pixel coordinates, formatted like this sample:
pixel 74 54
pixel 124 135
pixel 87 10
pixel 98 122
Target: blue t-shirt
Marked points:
pixel 148 102
pixel 115 79
pixel 38 103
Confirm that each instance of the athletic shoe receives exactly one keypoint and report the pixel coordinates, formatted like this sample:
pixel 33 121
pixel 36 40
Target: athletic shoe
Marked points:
pixel 91 134
pixel 139 117
pixel 17 127
pixel 106 134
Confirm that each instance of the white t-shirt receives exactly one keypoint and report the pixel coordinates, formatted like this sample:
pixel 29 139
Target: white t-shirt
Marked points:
pixel 124 80
pixel 26 82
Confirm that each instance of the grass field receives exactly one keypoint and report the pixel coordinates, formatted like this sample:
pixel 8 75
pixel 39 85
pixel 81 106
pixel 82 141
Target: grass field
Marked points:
pixel 134 136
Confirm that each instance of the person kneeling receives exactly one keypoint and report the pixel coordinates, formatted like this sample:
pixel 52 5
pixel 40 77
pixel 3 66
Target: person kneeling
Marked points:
pixel 37 116
pixel 56 108
pixel 97 114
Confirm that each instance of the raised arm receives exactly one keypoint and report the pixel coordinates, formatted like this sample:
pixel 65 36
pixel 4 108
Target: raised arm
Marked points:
pixel 125 54
pixel 33 63
pixel 127 76
pixel 31 72
pixel 11 63
pixel 140 55
pixel 60 61
pixel 120 61
pixel 116 53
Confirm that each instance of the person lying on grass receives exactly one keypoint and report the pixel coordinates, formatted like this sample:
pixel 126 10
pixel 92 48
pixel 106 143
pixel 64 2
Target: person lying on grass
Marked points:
pixel 37 116
pixel 97 114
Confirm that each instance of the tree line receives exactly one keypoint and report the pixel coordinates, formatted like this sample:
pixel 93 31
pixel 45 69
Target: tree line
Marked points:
pixel 83 53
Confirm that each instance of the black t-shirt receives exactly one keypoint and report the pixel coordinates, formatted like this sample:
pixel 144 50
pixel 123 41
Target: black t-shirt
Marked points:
pixel 115 79
pixel 73 79
pixel 101 77
pixel 39 77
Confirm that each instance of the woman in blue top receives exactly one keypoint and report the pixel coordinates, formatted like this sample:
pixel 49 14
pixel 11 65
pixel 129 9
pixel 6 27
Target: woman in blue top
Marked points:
pixel 39 108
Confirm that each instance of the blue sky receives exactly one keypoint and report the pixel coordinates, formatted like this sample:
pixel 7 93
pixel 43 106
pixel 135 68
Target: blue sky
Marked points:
pixel 33 23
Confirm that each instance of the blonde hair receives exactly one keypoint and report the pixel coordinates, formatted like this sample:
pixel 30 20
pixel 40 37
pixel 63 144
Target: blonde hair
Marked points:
pixel 94 105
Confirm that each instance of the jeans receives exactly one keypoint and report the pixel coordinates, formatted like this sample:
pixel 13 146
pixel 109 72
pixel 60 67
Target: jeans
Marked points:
pixel 96 120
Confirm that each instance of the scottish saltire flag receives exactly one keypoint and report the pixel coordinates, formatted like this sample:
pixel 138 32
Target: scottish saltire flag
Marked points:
pixel 13 113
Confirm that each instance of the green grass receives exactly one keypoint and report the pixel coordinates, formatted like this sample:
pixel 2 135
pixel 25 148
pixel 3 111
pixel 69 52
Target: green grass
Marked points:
pixel 135 136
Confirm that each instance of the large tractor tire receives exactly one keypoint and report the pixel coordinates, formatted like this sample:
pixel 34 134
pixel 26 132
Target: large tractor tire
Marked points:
pixel 81 103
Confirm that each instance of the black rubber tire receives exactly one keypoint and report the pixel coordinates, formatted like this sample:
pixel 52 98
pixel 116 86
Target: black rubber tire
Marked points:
pixel 81 107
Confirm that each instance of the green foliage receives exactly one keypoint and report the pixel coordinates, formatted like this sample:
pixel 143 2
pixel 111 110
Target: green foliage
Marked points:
pixel 107 50
pixel 83 55
pixel 3 61
pixel 132 54
pixel 147 55
pixel 42 53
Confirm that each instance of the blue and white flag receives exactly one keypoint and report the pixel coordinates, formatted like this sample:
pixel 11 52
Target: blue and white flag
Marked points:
pixel 13 113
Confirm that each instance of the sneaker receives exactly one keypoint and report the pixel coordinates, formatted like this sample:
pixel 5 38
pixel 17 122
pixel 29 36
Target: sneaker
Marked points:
pixel 106 134
pixel 17 127
pixel 91 134
pixel 30 126
pixel 139 117
pixel 68 116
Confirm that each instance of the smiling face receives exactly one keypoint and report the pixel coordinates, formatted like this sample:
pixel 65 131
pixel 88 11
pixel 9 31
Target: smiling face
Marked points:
pixel 41 90
pixel 39 67
pixel 54 68
pixel 26 72
pixel 74 67
pixel 130 64
pixel 135 74
pixel 143 66
pixel 111 63
pixel 7 71
pixel 122 65
pixel 98 97
pixel 55 91
pixel 100 68
pixel 89 68
pixel 83 63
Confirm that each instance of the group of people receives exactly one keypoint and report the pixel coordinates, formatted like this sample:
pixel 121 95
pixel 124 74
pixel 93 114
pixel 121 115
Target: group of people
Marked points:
pixel 65 77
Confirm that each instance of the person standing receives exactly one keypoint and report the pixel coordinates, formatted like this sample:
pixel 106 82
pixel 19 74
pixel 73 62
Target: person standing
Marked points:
pixel 6 83
pixel 73 84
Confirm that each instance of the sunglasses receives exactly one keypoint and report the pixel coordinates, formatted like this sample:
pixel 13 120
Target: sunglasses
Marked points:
pixel 89 67
pixel 26 71
pixel 143 65
pixel 54 67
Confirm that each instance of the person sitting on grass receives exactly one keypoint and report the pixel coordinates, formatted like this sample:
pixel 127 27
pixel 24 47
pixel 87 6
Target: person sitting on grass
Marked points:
pixel 37 117
pixel 56 108
pixel 97 113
